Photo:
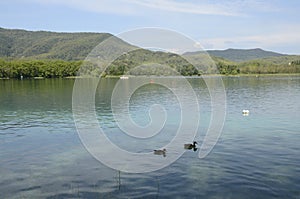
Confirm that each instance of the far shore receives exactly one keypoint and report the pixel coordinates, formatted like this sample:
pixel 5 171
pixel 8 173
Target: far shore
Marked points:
pixel 195 76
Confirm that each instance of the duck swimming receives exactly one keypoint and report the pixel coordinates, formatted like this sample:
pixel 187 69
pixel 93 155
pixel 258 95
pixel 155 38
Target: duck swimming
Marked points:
pixel 160 152
pixel 190 146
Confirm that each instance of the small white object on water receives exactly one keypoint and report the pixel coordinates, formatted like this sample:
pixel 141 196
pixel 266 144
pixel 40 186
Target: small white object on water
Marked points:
pixel 245 112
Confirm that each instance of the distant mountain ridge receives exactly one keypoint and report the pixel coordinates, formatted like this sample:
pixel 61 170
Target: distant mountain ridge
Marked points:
pixel 241 55
pixel 16 43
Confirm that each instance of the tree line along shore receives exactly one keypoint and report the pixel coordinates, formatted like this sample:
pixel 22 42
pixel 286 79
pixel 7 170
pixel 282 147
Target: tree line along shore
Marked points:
pixel 61 68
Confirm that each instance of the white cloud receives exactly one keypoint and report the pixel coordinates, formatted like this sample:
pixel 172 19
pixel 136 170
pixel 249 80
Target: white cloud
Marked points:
pixel 188 7
pixel 101 6
pixel 283 38
pixel 140 7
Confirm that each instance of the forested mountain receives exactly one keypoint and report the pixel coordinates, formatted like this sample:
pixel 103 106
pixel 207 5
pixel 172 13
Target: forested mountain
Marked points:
pixel 240 55
pixel 15 43
pixel 47 45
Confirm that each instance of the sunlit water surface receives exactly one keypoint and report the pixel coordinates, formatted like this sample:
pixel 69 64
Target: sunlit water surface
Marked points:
pixel 257 156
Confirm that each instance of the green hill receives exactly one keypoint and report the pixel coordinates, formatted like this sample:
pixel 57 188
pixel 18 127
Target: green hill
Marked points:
pixel 271 65
pixel 47 45
pixel 240 55
pixel 252 61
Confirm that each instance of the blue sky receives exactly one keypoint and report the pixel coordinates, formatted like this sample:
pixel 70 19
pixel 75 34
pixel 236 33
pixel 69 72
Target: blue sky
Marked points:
pixel 216 24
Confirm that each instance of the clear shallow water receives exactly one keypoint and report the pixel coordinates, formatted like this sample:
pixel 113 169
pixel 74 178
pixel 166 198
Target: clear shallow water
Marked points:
pixel 257 156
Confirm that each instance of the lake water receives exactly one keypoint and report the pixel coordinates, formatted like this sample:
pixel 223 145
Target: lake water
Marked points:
pixel 257 156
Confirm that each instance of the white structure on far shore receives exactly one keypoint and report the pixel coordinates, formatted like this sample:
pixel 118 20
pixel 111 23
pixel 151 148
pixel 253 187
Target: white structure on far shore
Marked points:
pixel 124 77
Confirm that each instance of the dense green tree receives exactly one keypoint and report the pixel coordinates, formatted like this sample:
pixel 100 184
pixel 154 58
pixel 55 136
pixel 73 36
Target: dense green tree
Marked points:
pixel 227 69
pixel 38 68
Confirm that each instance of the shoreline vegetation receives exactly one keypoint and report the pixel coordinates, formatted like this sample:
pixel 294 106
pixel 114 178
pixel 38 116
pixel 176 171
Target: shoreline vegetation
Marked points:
pixel 39 69
pixel 158 76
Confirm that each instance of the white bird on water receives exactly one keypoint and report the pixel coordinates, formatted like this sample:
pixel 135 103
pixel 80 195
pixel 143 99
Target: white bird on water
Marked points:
pixel 245 112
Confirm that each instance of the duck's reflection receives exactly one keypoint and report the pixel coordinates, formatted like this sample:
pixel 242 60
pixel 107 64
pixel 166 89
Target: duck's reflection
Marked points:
pixel 119 180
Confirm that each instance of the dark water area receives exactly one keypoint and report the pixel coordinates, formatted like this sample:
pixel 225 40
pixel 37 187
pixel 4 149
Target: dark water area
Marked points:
pixel 257 156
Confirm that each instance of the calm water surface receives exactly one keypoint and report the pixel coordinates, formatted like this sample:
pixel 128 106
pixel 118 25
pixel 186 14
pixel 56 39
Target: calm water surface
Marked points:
pixel 257 156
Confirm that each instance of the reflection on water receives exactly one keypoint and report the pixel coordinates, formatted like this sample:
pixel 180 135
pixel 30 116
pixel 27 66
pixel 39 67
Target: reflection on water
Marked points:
pixel 256 157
